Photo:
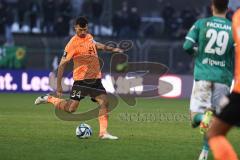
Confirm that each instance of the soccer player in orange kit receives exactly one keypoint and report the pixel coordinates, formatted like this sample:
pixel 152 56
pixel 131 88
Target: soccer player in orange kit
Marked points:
pixel 230 115
pixel 82 49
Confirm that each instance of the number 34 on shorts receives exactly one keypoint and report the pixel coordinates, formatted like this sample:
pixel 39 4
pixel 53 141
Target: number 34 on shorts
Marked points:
pixel 76 93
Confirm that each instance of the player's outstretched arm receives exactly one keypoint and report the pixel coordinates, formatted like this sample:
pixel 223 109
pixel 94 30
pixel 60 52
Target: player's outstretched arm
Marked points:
pixel 104 47
pixel 61 68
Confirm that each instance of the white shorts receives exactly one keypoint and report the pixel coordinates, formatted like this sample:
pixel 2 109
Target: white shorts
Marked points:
pixel 207 95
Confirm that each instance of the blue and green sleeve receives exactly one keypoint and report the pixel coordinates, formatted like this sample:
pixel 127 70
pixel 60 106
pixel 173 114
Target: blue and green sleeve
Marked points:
pixel 191 39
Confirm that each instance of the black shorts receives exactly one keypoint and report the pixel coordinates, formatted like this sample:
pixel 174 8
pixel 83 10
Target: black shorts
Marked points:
pixel 231 113
pixel 88 87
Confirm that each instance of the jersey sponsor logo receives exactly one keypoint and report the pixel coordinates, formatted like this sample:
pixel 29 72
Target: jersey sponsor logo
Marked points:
pixel 213 62
pixel 219 25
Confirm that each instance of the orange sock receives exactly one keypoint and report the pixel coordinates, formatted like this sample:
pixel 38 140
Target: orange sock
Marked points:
pixel 103 121
pixel 222 149
pixel 56 102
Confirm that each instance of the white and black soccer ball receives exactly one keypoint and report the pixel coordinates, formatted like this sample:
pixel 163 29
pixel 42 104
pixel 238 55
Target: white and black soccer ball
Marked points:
pixel 83 131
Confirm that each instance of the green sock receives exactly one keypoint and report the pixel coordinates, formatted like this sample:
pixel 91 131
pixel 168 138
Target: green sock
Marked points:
pixel 197 120
pixel 205 143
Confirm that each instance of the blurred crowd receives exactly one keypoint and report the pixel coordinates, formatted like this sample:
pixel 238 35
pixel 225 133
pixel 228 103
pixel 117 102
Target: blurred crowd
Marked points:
pixel 126 21
pixel 50 17
pixel 55 18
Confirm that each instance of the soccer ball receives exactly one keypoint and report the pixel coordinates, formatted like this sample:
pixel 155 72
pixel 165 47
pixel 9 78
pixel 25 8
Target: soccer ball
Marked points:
pixel 83 131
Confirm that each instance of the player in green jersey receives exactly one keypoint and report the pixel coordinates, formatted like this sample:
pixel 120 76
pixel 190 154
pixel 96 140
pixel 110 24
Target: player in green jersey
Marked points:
pixel 210 41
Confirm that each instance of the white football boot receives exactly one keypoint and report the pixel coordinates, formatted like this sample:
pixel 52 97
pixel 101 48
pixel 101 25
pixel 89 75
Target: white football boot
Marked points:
pixel 108 136
pixel 41 100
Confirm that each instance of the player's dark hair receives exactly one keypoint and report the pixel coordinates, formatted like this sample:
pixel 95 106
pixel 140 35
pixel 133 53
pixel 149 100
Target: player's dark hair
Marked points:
pixel 81 21
pixel 221 5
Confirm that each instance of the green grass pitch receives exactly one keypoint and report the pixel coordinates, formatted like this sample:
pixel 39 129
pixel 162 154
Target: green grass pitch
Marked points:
pixel 153 129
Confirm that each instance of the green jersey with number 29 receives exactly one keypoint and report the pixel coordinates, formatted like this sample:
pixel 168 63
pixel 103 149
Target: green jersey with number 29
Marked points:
pixel 214 59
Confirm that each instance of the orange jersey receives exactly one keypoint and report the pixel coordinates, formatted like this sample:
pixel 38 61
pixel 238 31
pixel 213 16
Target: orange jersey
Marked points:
pixel 85 59
pixel 236 36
